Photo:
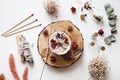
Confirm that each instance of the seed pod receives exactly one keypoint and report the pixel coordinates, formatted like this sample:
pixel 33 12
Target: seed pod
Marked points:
pixel 98 18
pixel 82 16
pixel 102 48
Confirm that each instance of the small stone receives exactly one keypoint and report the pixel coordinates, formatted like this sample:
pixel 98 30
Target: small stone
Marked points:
pixel 107 5
pixel 2 77
pixel 92 43
pixel 112 23
pixel 102 48
pixel 107 41
pixel 113 30
pixel 112 38
pixel 109 10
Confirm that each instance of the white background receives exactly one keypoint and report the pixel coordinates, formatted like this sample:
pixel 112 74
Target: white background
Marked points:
pixel 12 11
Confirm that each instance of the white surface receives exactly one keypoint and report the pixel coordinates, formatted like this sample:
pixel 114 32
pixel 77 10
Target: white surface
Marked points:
pixel 12 11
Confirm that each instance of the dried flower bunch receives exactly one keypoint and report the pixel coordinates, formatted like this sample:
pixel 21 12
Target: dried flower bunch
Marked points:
pixel 51 6
pixel 98 68
pixel 2 76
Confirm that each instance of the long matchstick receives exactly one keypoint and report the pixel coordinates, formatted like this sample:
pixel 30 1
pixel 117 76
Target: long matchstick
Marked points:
pixel 18 24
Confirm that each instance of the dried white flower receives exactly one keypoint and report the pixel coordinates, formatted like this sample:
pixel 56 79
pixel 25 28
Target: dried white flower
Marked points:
pixel 98 68
pixel 51 6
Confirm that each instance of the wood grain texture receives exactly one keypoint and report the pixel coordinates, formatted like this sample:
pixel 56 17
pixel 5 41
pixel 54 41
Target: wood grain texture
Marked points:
pixel 75 36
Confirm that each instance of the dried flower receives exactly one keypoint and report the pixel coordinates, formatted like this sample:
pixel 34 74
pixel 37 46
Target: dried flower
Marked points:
pixel 87 6
pixel 25 74
pixel 13 67
pixel 73 9
pixel 98 68
pixel 51 7
pixel 2 77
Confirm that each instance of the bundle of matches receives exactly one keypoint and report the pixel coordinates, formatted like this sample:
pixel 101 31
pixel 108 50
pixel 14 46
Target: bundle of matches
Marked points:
pixel 16 29
pixel 24 49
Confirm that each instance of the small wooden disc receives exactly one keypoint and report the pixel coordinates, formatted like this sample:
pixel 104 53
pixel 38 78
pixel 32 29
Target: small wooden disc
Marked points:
pixel 67 59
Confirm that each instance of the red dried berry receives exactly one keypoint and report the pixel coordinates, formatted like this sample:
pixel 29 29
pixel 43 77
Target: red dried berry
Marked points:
pixel 100 32
pixel 45 32
pixel 52 58
pixel 74 45
pixel 73 9
pixel 70 28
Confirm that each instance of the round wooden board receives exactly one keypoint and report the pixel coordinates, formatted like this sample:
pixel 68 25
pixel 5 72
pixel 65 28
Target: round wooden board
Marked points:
pixel 75 36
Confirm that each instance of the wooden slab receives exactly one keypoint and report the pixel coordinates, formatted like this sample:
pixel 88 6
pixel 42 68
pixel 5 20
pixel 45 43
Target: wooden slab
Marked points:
pixel 75 36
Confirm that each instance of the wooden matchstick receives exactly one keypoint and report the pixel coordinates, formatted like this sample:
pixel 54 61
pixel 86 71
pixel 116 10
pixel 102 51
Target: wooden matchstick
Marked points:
pixel 22 30
pixel 20 27
pixel 43 68
pixel 18 24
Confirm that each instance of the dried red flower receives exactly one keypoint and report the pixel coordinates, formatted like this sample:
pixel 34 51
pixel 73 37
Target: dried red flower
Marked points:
pixel 74 45
pixel 70 28
pixel 100 32
pixel 45 32
pixel 73 9
pixel 52 58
